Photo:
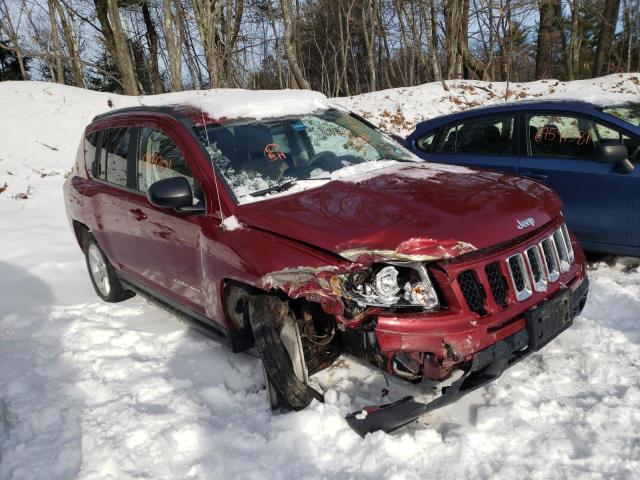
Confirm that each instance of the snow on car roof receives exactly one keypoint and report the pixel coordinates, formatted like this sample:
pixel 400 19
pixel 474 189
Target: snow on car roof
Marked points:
pixel 234 103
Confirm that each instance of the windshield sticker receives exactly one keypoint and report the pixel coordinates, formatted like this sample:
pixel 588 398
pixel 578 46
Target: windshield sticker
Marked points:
pixel 272 152
pixel 299 127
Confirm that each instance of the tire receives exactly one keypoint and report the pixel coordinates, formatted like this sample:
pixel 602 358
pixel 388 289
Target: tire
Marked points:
pixel 103 276
pixel 273 324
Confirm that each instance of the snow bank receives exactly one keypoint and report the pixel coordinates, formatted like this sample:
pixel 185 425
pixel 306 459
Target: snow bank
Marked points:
pixel 399 110
pixel 98 391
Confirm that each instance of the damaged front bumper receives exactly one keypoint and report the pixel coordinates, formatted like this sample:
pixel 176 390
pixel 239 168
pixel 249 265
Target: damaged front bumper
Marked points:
pixel 544 323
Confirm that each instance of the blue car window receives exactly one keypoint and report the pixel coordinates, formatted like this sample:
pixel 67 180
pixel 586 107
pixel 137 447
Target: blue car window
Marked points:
pixel 483 136
pixel 425 142
pixel 569 136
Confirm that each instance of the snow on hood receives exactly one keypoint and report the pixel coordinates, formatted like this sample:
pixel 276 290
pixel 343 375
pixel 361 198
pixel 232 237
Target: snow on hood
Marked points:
pixel 239 103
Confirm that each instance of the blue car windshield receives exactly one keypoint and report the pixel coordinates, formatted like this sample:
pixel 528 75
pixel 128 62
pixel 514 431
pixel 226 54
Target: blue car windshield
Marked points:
pixel 629 112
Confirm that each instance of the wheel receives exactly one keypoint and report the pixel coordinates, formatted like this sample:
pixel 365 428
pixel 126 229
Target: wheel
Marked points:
pixel 279 344
pixel 103 277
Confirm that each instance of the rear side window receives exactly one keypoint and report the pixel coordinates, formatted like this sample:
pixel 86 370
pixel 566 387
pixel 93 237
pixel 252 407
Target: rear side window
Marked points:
pixel 158 157
pixel 90 146
pixel 483 136
pixel 115 147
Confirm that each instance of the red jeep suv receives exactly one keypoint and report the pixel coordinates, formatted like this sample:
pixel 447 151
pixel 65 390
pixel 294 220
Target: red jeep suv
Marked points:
pixel 309 233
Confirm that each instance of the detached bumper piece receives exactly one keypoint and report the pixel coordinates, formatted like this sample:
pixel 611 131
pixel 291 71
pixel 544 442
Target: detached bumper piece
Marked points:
pixel 487 365
pixel 544 323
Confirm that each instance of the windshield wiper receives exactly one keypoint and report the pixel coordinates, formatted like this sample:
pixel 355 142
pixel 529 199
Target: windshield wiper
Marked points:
pixel 281 187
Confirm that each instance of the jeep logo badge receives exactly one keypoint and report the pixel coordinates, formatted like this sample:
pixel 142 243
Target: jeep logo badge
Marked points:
pixel 526 222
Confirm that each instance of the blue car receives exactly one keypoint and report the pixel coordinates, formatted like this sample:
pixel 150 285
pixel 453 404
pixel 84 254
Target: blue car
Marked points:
pixel 588 154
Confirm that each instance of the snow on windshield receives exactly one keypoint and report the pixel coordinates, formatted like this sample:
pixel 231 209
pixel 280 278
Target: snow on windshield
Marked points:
pixel 260 158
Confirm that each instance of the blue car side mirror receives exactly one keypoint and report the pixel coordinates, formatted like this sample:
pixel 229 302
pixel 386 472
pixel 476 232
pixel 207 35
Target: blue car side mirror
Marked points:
pixel 616 153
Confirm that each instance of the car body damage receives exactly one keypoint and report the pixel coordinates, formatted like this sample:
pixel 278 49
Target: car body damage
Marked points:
pixel 322 247
pixel 320 284
pixel 412 250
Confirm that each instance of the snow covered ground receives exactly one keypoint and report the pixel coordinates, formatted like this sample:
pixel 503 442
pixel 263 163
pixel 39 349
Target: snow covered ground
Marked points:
pixel 92 390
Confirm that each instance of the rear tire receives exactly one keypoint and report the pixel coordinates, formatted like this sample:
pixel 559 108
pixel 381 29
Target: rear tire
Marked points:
pixel 103 276
pixel 273 325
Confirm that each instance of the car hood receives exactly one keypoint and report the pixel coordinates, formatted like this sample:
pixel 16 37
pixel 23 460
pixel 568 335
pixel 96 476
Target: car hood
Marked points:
pixel 408 211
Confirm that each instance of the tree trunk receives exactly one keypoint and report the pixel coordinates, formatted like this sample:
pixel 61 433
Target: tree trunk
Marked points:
pixel 453 17
pixel 152 38
pixel 605 37
pixel 573 57
pixel 72 46
pixel 547 38
pixel 369 32
pixel 55 40
pixel 207 14
pixel 231 37
pixel 173 32
pixel 116 43
pixel 289 47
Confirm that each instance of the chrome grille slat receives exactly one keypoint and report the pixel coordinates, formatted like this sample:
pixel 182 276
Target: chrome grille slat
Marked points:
pixel 567 242
pixel 548 248
pixel 519 276
pixel 538 272
pixel 563 254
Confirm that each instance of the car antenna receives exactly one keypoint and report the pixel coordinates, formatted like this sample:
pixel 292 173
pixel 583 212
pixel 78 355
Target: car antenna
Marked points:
pixel 213 167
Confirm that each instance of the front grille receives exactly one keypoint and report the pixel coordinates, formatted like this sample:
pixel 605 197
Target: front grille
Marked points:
pixel 473 291
pixel 530 270
pixel 497 283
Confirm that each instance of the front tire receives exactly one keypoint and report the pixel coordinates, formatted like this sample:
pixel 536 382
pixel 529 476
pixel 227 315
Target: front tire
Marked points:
pixel 279 344
pixel 103 276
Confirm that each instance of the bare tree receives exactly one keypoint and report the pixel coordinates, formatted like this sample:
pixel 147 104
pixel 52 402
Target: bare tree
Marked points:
pixel 289 47
pixel 171 18
pixel 605 37
pixel 9 28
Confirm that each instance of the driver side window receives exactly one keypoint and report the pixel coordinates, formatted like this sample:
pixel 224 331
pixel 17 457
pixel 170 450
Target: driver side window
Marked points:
pixel 556 135
pixel 158 157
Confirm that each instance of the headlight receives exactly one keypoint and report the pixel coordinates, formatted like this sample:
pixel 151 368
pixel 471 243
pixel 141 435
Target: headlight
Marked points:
pixel 390 285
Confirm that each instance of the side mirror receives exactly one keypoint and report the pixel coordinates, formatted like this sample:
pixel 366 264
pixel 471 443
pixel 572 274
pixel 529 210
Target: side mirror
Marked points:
pixel 616 153
pixel 174 192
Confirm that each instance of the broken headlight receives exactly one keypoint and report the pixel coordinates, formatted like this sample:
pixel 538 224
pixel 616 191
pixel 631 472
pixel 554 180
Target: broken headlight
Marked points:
pixel 390 285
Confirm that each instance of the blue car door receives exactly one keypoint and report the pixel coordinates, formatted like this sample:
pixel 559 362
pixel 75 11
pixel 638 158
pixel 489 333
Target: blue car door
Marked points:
pixel 562 153
pixel 486 142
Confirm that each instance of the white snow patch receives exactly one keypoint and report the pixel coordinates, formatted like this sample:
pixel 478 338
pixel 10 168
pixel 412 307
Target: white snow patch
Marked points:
pixel 231 223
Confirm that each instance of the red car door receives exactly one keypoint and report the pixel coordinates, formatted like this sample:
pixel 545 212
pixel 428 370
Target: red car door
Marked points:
pixel 107 193
pixel 164 245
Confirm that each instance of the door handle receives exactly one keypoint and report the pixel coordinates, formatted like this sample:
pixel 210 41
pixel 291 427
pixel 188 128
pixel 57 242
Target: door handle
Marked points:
pixel 535 175
pixel 138 214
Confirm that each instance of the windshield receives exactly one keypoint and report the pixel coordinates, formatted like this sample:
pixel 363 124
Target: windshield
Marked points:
pixel 629 113
pixel 258 157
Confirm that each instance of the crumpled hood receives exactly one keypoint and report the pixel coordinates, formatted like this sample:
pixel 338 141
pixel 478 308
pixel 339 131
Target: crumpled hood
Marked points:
pixel 411 211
